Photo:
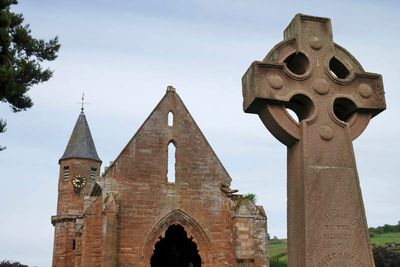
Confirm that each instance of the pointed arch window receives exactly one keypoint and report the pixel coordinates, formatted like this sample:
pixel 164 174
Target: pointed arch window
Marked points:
pixel 171 162
pixel 170 119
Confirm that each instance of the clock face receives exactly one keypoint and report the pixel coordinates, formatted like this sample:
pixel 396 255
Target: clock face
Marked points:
pixel 78 182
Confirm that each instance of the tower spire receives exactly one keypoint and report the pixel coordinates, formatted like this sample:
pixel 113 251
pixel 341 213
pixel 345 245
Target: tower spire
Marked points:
pixel 80 144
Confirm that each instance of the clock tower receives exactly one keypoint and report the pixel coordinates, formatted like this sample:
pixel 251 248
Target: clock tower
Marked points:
pixel 79 167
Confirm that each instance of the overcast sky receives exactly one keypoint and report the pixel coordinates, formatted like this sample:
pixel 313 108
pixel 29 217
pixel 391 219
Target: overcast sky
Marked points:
pixel 124 53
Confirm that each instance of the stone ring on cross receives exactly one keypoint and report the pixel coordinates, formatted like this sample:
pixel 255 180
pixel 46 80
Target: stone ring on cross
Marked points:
pixel 316 78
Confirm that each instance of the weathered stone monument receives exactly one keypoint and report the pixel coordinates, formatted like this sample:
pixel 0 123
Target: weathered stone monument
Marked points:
pixel 334 99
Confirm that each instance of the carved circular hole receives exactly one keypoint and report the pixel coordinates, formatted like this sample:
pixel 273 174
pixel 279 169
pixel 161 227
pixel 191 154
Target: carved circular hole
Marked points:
pixel 300 106
pixel 297 63
pixel 344 108
pixel 338 69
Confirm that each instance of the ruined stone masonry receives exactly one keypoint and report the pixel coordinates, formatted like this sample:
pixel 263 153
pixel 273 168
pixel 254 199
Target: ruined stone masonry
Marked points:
pixel 133 216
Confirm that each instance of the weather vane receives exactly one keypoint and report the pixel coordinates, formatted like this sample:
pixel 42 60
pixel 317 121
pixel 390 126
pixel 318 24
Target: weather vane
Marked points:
pixel 83 102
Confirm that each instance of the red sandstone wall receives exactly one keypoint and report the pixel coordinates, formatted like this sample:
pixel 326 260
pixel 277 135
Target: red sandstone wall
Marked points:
pixel 70 202
pixel 69 207
pixel 250 235
pixel 139 175
pixel 63 253
pixel 92 234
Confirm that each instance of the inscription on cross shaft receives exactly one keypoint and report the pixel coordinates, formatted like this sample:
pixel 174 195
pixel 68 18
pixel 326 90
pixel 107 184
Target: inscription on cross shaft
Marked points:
pixel 334 99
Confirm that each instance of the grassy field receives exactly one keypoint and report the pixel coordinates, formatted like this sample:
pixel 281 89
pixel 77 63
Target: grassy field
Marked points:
pixel 278 253
pixel 278 249
pixel 381 239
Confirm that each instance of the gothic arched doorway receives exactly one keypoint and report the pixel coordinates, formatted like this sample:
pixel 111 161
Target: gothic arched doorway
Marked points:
pixel 175 250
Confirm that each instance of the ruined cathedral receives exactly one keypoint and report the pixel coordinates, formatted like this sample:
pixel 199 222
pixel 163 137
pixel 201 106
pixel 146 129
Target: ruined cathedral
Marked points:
pixel 133 215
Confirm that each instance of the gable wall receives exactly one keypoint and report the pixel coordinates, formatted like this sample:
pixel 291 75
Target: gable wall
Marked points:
pixel 140 176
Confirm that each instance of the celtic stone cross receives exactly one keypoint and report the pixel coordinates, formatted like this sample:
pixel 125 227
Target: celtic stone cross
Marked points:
pixel 334 99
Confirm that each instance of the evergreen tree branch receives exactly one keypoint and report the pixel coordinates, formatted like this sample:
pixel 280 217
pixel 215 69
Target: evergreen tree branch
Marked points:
pixel 20 59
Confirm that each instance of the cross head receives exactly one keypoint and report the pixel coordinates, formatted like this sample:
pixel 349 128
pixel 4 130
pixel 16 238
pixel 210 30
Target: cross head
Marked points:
pixel 316 78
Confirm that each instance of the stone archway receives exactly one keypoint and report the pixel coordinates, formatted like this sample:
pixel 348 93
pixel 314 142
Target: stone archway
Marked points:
pixel 193 230
pixel 175 249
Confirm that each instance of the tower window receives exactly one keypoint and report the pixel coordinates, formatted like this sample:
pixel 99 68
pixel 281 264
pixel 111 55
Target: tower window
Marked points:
pixel 93 173
pixel 66 172
pixel 171 163
pixel 73 244
pixel 170 118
